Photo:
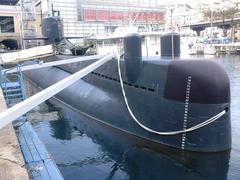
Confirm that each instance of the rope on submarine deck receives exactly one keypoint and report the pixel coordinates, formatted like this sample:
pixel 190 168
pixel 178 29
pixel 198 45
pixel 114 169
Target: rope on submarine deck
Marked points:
pixel 165 133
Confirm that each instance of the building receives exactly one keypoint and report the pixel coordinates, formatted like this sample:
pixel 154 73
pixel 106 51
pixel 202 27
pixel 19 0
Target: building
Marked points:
pixel 183 14
pixel 31 19
pixel 84 17
pixel 19 19
pixel 9 25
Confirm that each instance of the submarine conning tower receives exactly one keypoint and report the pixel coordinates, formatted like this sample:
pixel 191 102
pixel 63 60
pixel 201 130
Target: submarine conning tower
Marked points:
pixel 133 56
pixel 169 41
pixel 52 28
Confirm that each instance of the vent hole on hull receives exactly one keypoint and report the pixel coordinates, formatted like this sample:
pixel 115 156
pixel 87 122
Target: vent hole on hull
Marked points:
pixel 226 109
pixel 124 82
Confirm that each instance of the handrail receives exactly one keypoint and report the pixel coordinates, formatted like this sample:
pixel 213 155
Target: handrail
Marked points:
pixel 56 63
pixel 21 82
pixel 6 77
pixel 6 80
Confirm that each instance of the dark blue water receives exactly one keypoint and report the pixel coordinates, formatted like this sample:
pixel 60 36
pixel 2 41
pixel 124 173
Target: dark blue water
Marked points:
pixel 84 149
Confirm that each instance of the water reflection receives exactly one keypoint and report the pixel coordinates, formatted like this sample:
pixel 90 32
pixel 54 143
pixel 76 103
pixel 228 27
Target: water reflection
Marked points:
pixel 118 156
pixel 148 165
pixel 61 130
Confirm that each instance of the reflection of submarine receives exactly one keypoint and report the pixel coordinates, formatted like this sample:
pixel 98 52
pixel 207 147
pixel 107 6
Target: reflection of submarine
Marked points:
pixel 164 96
pixel 202 166
pixel 138 162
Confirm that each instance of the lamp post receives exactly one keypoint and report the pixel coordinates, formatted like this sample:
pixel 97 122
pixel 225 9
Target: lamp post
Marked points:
pixel 211 30
pixel 171 10
pixel 21 25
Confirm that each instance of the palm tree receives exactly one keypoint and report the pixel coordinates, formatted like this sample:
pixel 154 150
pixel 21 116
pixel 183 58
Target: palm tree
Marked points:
pixel 223 14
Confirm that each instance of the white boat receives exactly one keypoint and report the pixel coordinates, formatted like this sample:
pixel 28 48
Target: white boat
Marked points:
pixel 209 50
pixel 192 51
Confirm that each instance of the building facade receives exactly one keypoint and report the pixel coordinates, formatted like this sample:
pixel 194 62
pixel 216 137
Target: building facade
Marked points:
pixel 9 27
pixel 182 14
pixel 84 17
pixel 18 20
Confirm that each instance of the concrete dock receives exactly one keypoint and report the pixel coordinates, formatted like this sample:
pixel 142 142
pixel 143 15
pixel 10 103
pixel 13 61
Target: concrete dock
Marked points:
pixel 12 164
pixel 231 48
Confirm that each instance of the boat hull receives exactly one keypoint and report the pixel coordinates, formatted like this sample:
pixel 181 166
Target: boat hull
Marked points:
pixel 99 96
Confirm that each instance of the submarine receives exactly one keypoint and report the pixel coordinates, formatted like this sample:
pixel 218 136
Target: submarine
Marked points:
pixel 183 104
pixel 53 33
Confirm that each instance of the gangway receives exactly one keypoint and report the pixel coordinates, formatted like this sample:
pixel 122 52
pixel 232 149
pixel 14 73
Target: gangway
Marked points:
pixel 38 160
pixel 27 54
pixel 23 107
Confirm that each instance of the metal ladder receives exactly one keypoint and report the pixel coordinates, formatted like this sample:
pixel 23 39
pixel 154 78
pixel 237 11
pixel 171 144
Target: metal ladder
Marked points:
pixel 13 87
pixel 12 83
pixel 13 90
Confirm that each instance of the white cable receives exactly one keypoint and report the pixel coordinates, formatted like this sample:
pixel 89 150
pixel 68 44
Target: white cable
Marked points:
pixel 166 133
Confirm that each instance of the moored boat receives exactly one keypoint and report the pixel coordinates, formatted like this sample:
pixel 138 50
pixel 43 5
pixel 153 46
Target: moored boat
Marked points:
pixel 181 104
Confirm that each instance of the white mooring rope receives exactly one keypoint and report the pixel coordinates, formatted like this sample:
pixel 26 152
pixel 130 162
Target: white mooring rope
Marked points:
pixel 166 133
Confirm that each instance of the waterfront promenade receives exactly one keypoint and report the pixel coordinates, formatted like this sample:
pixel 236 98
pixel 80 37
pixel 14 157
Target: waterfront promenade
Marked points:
pixel 12 164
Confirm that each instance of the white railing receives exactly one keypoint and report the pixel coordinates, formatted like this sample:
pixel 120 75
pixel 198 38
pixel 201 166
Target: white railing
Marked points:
pixel 55 63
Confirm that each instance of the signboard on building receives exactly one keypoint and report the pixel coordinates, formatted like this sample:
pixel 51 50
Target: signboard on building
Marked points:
pixel 114 15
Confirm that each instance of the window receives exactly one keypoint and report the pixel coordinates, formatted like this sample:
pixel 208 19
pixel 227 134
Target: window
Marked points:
pixel 6 24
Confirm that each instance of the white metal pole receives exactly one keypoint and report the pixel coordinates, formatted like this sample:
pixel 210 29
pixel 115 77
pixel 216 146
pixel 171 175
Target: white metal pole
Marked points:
pixel 211 33
pixel 23 107
pixel 54 63
pixel 21 24
pixel 172 32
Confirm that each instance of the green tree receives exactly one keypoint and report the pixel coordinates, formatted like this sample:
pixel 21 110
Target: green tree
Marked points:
pixel 223 14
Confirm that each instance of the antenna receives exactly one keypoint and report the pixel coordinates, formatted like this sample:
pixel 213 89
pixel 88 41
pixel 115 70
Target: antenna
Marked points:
pixel 172 32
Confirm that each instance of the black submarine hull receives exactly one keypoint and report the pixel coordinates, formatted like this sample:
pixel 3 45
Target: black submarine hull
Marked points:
pixel 115 143
pixel 157 98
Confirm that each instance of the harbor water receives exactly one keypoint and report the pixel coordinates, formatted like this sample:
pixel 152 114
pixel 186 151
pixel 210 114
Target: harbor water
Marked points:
pixel 84 149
